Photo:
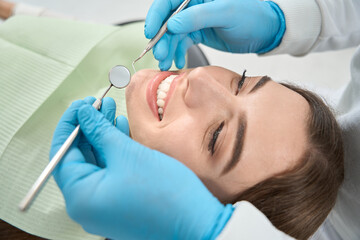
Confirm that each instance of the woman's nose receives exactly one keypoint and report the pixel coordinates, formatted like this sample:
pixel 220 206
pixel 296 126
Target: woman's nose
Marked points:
pixel 204 90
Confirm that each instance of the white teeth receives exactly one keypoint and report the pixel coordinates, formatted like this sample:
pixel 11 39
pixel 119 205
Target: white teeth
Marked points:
pixel 164 86
pixel 161 95
pixel 162 91
pixel 169 80
pixel 160 103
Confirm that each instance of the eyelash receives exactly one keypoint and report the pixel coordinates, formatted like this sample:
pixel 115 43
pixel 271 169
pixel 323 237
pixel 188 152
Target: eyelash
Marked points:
pixel 211 146
pixel 241 83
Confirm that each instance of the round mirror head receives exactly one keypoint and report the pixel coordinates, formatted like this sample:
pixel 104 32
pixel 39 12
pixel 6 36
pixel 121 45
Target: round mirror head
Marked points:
pixel 119 76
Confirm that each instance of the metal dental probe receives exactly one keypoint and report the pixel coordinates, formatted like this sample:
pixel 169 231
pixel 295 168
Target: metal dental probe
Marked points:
pixel 119 77
pixel 160 33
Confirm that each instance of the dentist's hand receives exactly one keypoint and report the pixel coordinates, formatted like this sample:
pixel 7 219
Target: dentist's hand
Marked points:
pixel 241 26
pixel 117 188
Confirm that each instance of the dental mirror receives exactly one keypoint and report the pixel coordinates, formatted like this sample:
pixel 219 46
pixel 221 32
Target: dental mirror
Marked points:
pixel 119 76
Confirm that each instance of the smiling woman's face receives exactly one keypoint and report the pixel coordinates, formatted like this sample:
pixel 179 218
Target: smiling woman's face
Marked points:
pixel 233 132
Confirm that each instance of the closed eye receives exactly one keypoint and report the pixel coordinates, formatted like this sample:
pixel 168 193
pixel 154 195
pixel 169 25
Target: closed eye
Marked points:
pixel 212 142
pixel 240 83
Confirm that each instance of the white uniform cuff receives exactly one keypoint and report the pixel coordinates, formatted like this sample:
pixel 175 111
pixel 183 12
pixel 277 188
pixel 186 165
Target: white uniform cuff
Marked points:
pixel 303 25
pixel 247 222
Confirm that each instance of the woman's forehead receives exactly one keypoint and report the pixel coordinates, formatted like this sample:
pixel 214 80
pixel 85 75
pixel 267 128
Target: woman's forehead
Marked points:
pixel 276 132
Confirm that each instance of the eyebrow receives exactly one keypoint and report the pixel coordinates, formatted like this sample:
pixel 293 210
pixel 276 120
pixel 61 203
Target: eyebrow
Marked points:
pixel 240 133
pixel 260 83
pixel 238 145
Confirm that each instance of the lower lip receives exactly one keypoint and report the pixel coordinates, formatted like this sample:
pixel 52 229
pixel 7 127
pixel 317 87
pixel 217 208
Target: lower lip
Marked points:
pixel 151 96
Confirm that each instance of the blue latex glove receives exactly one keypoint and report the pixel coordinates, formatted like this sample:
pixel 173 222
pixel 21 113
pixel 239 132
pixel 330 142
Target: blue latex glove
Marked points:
pixel 117 188
pixel 242 26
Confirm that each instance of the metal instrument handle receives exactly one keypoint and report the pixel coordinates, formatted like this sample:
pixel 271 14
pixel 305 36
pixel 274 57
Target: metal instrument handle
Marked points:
pixel 163 29
pixel 51 165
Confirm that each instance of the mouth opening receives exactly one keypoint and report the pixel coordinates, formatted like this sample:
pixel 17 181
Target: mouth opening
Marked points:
pixel 162 92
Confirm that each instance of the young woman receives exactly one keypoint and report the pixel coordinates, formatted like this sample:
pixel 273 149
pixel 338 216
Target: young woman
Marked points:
pixel 247 138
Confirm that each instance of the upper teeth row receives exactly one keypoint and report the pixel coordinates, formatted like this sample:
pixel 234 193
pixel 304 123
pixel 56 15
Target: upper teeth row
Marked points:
pixel 162 91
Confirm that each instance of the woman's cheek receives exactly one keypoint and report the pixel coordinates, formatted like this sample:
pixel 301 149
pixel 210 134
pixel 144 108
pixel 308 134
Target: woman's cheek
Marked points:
pixel 171 148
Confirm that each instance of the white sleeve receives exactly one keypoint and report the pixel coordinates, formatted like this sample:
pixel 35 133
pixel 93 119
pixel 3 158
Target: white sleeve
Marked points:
pixel 318 25
pixel 340 26
pixel 247 222
pixel 303 25
pixel 345 217
pixel 25 9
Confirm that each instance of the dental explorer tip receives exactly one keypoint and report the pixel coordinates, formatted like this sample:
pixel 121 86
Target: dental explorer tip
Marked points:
pixel 134 66
pixel 136 60
pixel 141 55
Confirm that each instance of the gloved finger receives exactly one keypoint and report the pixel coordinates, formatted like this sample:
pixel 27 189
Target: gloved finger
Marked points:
pixel 89 99
pixel 198 17
pixel 196 37
pixel 81 141
pixel 161 49
pixel 108 108
pixel 72 168
pixel 122 124
pixel 157 14
pixel 101 134
pixel 88 152
pixel 66 126
pixel 166 64
pixel 181 50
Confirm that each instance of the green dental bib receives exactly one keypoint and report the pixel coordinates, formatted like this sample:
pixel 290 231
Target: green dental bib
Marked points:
pixel 45 64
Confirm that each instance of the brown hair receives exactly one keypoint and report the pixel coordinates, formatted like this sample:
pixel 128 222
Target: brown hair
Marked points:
pixel 298 200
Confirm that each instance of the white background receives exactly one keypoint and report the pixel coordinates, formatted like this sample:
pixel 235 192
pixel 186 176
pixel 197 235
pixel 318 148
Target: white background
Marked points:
pixel 325 70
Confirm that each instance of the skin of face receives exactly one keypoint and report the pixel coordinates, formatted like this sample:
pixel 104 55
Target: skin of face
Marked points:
pixel 204 98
